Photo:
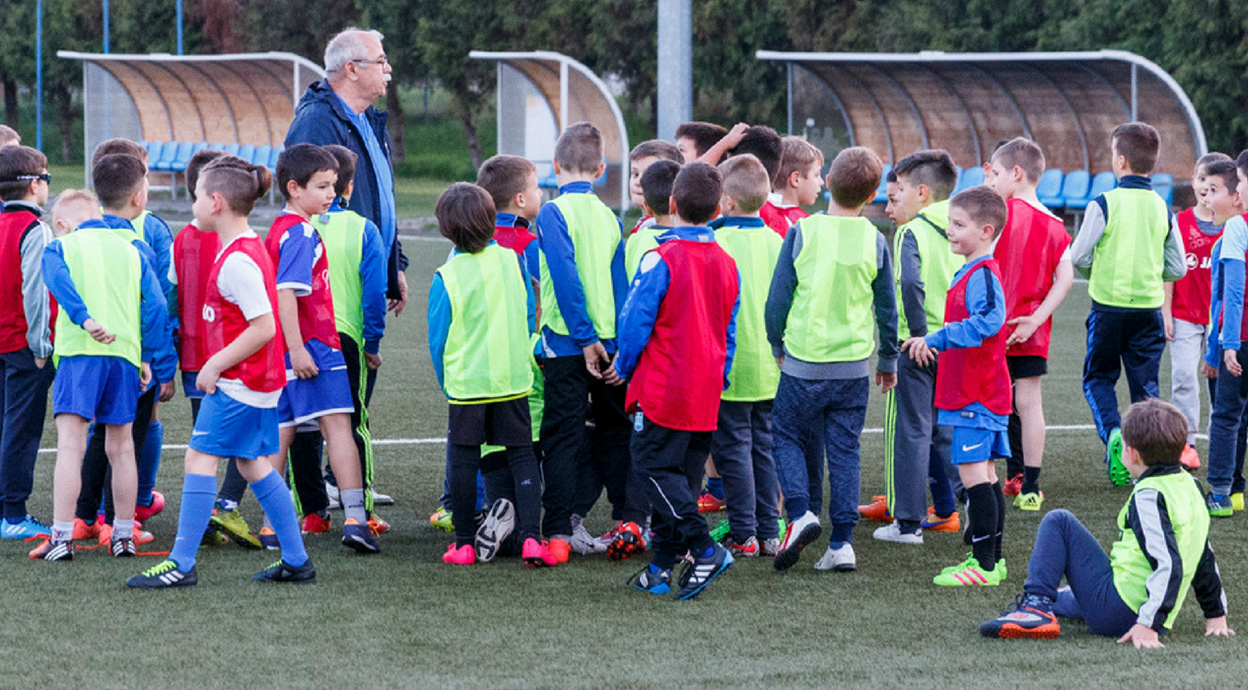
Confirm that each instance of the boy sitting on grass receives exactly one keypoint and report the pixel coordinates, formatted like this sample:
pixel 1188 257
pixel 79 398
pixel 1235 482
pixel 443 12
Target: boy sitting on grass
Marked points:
pixel 1163 549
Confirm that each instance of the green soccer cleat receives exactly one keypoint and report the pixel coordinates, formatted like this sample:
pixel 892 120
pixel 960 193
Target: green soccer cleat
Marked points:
pixel 441 519
pixel 1030 502
pixel 1118 474
pixel 232 523
pixel 1219 506
pixel 969 574
pixel 720 532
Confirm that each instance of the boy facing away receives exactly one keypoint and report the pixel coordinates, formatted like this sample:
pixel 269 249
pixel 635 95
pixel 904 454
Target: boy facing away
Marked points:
pixel 833 278
pixel 656 191
pixel 973 394
pixel 1127 249
pixel 1034 254
pixel 677 339
pixel 1136 591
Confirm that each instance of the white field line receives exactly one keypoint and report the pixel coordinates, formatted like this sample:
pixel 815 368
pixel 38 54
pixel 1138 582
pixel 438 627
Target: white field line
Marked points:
pixel 439 441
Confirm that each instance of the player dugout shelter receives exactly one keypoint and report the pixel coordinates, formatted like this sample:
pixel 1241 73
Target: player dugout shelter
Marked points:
pixel 179 104
pixel 540 93
pixel 1068 102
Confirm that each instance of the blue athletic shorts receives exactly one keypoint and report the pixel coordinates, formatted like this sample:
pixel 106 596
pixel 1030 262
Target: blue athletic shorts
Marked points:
pixel 977 445
pixel 329 392
pixel 188 384
pixel 228 428
pixel 105 389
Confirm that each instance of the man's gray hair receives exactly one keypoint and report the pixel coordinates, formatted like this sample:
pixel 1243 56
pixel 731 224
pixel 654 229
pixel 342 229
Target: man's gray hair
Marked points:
pixel 347 45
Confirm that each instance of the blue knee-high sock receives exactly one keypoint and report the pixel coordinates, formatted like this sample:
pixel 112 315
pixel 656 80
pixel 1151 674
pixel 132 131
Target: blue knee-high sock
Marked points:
pixel 198 493
pixel 149 461
pixel 275 499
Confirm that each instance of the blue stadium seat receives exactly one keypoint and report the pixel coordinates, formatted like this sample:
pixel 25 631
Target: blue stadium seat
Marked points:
pixel 277 151
pixel 153 150
pixel 231 149
pixel 971 177
pixel 881 192
pixel 246 152
pixel 1050 188
pixel 262 154
pixel 182 158
pixel 1163 184
pixel 217 146
pixel 1075 186
pixel 167 154
pixel 1102 182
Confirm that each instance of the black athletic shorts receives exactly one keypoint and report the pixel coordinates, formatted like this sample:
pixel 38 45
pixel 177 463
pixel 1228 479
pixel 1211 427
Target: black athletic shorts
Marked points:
pixel 497 423
pixel 1026 366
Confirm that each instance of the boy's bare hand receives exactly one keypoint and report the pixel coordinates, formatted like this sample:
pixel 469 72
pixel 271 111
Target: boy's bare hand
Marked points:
pixel 611 377
pixel 397 305
pixel 373 361
pixel 1168 320
pixel 1024 328
pixel 206 380
pixel 1142 637
pixel 1208 371
pixel 1231 359
pixel 145 376
pixel 166 392
pixel 40 362
pixel 734 135
pixel 596 359
pixel 301 361
pixel 919 351
pixel 97 331
pixel 1217 627
pixel 886 380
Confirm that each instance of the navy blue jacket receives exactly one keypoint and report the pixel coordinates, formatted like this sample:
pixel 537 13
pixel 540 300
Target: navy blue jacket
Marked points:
pixel 321 118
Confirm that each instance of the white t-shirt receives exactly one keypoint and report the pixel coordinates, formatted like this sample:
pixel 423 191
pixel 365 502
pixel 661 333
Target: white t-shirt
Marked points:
pixel 241 282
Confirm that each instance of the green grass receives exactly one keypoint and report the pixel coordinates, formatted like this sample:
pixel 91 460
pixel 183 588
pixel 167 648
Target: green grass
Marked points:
pixel 403 619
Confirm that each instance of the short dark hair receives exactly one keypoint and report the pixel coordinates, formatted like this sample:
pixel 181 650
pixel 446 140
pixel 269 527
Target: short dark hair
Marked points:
pixel 465 215
pixel 657 148
pixel 579 148
pixel 18 161
pixel 697 191
pixel 931 167
pixel 1139 143
pixel 1241 161
pixel 503 177
pixel 1023 153
pixel 891 177
pixel 704 135
pixel 299 163
pixel 1225 169
pixel 239 182
pixel 746 182
pixel 346 166
pixel 1211 157
pixel 656 185
pixel 115 177
pixel 198 161
pixel 984 206
pixel 1156 430
pixel 118 145
pixel 765 144
pixel 854 176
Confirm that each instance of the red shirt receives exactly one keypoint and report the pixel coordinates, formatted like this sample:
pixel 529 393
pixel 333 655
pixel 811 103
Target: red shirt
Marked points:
pixel 194 255
pixel 680 374
pixel 1028 252
pixel 781 218
pixel 14 224
pixel 264 371
pixel 316 309
pixel 973 374
pixel 1191 292
pixel 641 224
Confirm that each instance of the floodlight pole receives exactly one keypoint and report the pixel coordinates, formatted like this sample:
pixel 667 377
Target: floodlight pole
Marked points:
pixel 39 74
pixel 106 27
pixel 675 79
pixel 179 12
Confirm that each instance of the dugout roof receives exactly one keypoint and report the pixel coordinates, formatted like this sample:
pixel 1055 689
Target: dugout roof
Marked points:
pixel 1068 102
pixel 244 98
pixel 542 92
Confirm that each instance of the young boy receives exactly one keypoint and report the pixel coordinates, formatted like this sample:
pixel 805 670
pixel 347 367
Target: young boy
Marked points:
pixel 742 442
pixel 767 147
pixel 1034 256
pixel 25 335
pixel 1127 249
pixel 120 180
pixel 242 379
pixel 677 337
pixel 108 332
pixel 357 279
pixel 74 207
pixel 640 159
pixel 317 385
pixel 797 182
pixel 479 340
pixel 916 449
pixel 1186 309
pixel 582 290
pixel 695 139
pixel 656 186
pixel 832 279
pixel 1135 592
pixel 973 394
pixel 1230 395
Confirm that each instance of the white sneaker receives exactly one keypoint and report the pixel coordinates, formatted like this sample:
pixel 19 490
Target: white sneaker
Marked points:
pixel 380 499
pixel 841 560
pixel 800 534
pixel 771 547
pixel 335 499
pixel 582 541
pixel 892 532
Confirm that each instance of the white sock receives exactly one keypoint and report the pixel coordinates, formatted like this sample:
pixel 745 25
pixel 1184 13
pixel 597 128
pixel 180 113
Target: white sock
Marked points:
pixel 62 531
pixel 123 529
pixel 353 504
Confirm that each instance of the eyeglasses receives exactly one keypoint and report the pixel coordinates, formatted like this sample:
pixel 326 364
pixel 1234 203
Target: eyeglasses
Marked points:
pixel 46 177
pixel 380 62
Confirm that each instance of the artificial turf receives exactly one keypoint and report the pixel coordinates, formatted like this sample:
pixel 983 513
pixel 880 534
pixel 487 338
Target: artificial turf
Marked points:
pixel 405 620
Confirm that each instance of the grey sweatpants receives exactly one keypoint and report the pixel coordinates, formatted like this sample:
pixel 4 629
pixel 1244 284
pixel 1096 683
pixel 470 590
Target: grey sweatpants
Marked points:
pixel 1187 351
pixel 915 447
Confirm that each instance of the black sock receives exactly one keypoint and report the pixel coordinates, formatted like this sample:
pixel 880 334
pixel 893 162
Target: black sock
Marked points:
pixel 981 511
pixel 1031 480
pixel 996 537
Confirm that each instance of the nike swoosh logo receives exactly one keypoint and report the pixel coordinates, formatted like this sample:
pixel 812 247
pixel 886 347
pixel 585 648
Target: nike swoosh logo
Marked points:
pixel 967 449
